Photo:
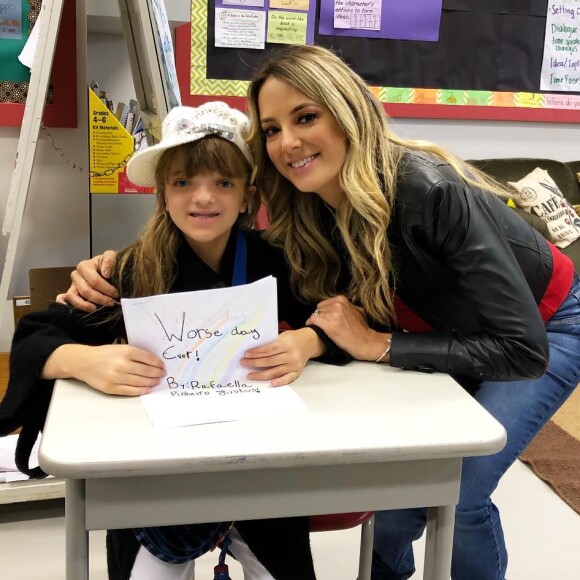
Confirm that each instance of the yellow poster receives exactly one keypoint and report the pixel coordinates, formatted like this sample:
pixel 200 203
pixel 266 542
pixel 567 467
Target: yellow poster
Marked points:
pixel 110 147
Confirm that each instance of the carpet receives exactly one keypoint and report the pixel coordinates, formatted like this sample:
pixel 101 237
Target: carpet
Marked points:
pixel 554 454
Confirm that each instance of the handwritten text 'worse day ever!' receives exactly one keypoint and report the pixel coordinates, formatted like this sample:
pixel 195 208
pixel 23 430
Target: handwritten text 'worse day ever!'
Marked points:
pixel 198 334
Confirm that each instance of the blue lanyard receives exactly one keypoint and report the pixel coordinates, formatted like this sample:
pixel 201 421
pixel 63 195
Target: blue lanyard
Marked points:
pixel 239 276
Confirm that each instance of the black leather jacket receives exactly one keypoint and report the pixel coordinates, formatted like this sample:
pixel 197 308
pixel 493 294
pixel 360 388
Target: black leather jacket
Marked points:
pixel 473 270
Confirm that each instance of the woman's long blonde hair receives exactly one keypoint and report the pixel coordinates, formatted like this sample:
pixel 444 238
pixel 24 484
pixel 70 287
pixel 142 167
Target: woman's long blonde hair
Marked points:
pixel 148 266
pixel 368 178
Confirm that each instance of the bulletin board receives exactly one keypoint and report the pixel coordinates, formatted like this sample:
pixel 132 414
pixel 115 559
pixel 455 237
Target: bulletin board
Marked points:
pixel 61 105
pixel 485 64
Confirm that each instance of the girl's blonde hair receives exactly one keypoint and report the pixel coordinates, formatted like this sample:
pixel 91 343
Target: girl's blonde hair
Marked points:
pixel 368 179
pixel 148 266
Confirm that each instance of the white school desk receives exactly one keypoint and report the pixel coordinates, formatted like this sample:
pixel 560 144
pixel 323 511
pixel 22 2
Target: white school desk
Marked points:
pixel 373 438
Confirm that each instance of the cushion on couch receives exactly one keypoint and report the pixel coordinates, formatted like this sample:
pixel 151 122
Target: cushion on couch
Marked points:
pixel 514 168
pixel 538 193
pixel 564 174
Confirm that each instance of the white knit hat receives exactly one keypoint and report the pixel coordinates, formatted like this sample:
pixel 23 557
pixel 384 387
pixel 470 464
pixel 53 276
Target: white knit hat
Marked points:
pixel 188 124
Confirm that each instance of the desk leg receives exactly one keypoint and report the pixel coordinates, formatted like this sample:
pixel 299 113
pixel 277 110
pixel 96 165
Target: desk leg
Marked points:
pixel 367 534
pixel 76 534
pixel 439 542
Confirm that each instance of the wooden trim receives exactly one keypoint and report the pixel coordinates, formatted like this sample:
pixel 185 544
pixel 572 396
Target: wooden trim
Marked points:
pixel 4 356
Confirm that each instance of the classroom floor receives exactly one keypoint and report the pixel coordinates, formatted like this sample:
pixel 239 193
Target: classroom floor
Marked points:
pixel 542 534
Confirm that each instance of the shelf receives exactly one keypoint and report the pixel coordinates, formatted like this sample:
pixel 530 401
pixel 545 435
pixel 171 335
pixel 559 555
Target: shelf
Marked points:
pixel 31 490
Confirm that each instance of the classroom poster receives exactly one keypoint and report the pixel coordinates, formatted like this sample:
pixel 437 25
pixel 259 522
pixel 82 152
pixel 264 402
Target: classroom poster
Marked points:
pixel 396 19
pixel 361 14
pixel 561 63
pixel 110 148
pixel 253 23
pixel 240 28
pixel 16 19
pixel 11 20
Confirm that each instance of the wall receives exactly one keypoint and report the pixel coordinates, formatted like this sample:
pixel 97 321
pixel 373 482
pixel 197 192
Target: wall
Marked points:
pixel 489 139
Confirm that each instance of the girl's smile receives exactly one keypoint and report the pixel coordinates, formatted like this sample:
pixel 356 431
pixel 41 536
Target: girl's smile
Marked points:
pixel 204 216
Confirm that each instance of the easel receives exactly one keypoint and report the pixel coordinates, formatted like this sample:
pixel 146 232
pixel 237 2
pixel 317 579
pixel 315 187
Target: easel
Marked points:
pixel 145 27
pixel 50 16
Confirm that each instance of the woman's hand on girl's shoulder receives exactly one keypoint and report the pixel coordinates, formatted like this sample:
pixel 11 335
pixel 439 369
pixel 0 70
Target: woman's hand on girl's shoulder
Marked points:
pixel 89 284
pixel 282 361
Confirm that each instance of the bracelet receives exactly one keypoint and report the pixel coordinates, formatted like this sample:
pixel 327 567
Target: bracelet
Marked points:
pixel 386 351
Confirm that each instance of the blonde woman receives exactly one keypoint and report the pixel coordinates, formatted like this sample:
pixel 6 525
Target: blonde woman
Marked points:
pixel 414 262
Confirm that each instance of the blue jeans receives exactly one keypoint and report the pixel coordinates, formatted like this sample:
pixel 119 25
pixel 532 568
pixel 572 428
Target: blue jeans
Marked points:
pixel 522 407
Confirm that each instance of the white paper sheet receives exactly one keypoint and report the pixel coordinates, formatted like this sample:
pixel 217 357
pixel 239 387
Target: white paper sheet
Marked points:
pixel 201 337
pixel 8 470
pixel 26 57
pixel 240 28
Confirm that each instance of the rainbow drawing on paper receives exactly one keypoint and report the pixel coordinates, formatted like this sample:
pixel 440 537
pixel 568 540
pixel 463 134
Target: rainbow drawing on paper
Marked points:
pixel 202 335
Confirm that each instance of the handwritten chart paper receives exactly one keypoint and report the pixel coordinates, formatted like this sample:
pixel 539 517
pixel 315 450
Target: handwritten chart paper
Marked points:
pixel 240 28
pixel 287 27
pixel 201 337
pixel 401 19
pixel 561 63
pixel 363 14
pixel 289 32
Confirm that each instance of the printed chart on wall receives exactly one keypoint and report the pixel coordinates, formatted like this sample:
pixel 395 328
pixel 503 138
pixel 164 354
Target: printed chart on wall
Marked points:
pixel 111 145
pixel 423 58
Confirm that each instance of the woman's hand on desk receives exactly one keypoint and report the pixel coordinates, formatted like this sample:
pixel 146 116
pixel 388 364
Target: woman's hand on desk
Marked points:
pixel 282 361
pixel 89 284
pixel 347 326
pixel 114 369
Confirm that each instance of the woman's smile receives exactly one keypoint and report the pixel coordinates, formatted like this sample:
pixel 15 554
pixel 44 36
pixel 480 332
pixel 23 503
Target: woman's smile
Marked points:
pixel 303 140
pixel 303 162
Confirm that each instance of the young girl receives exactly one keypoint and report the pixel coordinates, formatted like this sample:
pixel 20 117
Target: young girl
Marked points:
pixel 197 238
